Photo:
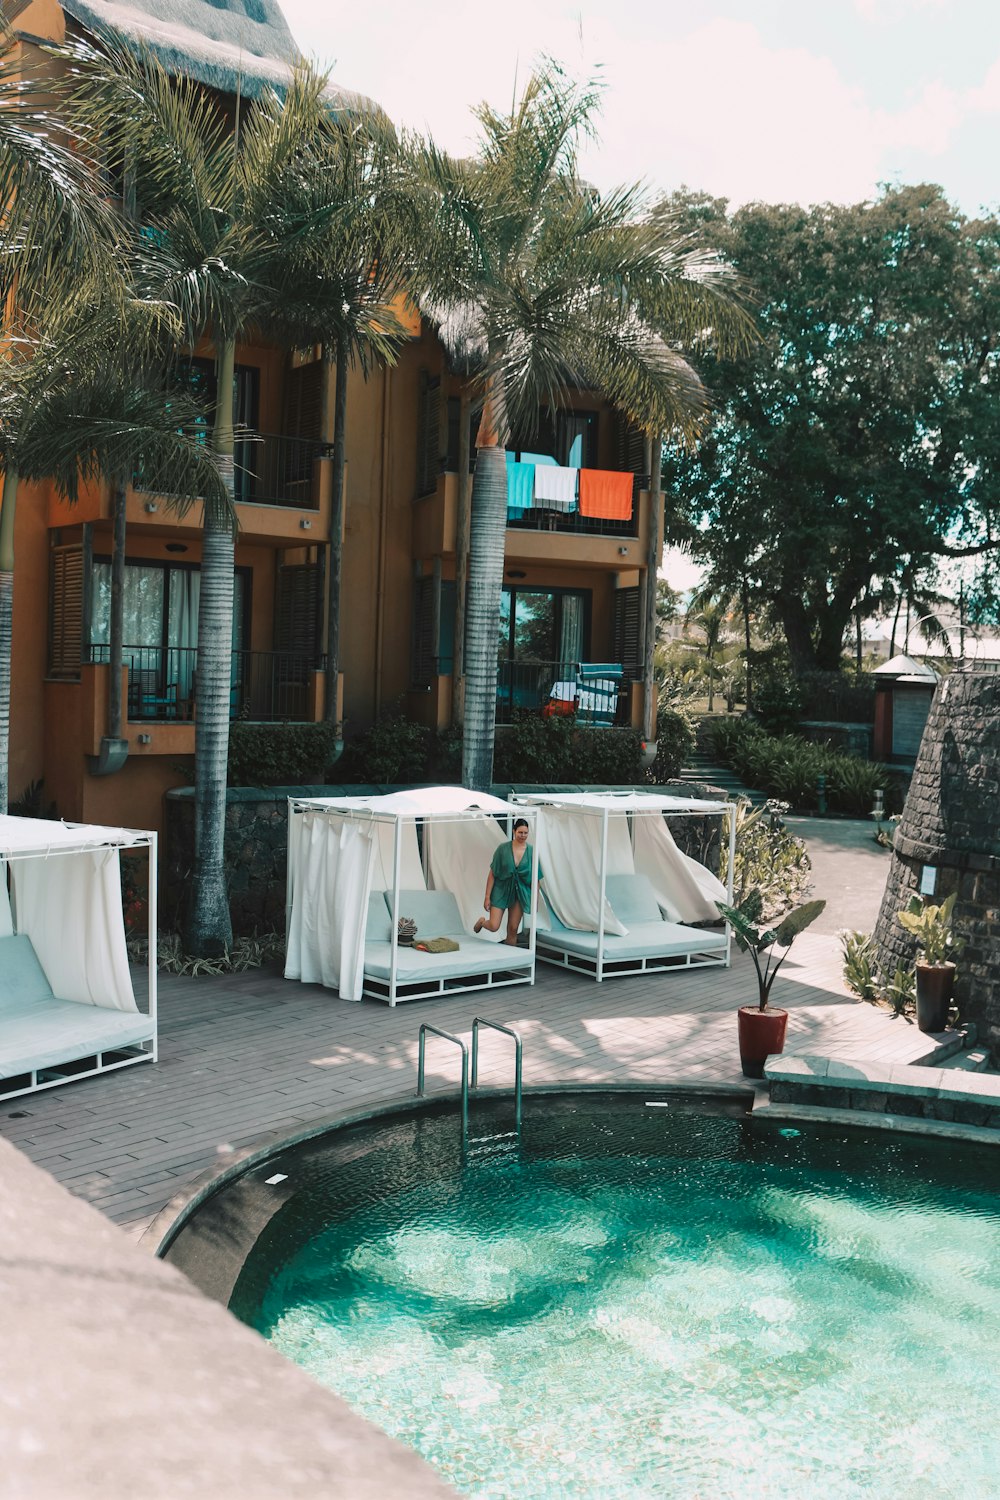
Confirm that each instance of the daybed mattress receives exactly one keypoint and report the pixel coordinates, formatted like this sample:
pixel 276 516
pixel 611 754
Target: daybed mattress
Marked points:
pixel 39 1031
pixel 474 956
pixel 644 940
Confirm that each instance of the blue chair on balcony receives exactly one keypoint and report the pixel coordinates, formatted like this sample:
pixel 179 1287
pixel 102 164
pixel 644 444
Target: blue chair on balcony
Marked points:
pixel 598 687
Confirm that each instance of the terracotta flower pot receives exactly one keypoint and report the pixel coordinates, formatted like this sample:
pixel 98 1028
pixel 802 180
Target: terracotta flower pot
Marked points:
pixel 935 983
pixel 762 1034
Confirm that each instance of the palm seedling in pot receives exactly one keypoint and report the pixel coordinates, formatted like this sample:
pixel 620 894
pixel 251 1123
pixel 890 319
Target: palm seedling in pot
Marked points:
pixel 931 926
pixel 762 1026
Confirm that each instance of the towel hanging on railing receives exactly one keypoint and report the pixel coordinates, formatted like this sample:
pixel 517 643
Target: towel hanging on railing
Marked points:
pixel 520 486
pixel 606 495
pixel 555 488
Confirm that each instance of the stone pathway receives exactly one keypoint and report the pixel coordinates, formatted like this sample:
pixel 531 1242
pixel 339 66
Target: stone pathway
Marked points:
pixel 246 1055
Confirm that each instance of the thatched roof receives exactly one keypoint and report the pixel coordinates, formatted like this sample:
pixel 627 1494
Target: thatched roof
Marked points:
pixel 226 44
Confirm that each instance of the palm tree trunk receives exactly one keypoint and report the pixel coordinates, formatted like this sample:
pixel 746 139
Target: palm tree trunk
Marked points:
pixel 461 559
pixel 654 556
pixel 336 537
pixel 746 639
pixel 711 682
pixel 487 534
pixel 7 506
pixel 208 927
pixel 116 634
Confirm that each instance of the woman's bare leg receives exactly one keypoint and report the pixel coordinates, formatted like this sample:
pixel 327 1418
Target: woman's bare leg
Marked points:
pixel 514 915
pixel 492 922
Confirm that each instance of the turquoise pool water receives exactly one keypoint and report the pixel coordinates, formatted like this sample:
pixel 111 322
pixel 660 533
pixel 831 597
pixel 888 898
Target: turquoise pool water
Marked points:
pixel 646 1302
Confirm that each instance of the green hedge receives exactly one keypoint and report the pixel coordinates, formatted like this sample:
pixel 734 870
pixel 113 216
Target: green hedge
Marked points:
pixel 788 768
pixel 278 754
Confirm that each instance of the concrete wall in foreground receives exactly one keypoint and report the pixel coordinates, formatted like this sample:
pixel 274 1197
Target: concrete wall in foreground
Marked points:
pixel 120 1380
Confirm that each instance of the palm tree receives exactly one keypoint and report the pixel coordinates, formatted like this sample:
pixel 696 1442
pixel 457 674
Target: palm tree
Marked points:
pixel 235 222
pixel 549 284
pixel 55 226
pixel 710 615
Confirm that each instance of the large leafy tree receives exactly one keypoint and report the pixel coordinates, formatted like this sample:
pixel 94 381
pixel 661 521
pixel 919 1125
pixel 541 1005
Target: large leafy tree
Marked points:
pixel 859 441
pixel 547 284
pixel 235 219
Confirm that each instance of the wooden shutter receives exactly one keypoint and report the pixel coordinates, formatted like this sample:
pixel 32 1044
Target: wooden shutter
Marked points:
pixel 297 609
pixel 428 434
pixel 422 639
pixel 66 603
pixel 630 448
pixel 304 401
pixel 627 632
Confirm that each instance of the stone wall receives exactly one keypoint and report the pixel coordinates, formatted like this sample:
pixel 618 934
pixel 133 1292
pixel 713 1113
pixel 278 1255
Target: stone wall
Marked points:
pixel 257 844
pixel 951 821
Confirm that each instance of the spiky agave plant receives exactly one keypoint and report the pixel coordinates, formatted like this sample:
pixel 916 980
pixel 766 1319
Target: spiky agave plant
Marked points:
pixel 757 941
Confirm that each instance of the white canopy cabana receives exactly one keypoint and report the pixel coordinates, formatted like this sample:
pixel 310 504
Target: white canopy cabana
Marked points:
pixel 622 896
pixel 356 865
pixel 67 1007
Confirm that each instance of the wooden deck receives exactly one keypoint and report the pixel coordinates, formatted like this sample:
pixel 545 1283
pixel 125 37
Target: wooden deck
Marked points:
pixel 247 1055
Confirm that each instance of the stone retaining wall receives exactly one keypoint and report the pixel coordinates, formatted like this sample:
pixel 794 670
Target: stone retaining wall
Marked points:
pixel 951 821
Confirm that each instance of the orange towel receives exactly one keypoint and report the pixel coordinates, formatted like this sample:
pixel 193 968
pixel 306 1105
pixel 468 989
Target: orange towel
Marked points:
pixel 606 494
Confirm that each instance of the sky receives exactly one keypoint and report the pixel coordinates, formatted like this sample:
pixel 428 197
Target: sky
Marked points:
pixel 776 100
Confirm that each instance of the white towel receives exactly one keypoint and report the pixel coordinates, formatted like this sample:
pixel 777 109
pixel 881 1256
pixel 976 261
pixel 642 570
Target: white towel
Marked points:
pixel 555 488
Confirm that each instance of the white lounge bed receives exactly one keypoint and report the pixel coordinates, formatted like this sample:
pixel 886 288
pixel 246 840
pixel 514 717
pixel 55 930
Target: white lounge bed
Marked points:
pixel 622 898
pixel 67 1008
pixel 356 865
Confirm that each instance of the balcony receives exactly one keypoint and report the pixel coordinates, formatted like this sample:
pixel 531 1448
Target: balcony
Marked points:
pixel 270 470
pixel 269 687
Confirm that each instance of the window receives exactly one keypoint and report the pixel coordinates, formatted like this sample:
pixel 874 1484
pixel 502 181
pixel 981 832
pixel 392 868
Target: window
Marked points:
pixel 543 635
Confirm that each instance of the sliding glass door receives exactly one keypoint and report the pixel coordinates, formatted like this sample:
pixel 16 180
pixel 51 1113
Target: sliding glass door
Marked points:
pixel 543 636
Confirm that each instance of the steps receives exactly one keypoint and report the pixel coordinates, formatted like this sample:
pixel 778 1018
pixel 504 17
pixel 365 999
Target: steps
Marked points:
pixel 701 767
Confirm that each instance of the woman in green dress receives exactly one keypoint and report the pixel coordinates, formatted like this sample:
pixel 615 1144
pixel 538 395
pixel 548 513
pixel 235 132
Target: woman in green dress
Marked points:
pixel 508 885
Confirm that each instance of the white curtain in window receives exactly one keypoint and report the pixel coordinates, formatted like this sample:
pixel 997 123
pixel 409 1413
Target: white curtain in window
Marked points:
pixel 182 628
pixel 142 605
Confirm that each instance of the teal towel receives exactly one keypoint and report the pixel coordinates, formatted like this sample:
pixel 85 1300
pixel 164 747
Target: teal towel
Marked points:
pixel 520 487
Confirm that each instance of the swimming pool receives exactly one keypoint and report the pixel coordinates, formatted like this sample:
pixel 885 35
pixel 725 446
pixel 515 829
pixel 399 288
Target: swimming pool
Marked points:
pixel 638 1300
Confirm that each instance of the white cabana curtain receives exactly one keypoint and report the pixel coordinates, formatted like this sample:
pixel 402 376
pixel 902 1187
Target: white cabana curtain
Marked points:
pixel 620 861
pixel 458 860
pixel 70 906
pixel 334 861
pixel 686 890
pixel 411 874
pixel 569 848
pixel 6 922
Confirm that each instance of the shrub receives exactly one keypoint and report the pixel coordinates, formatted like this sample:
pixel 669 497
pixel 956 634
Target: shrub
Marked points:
pixel 789 768
pixel 556 750
pixel 394 749
pixel 777 702
pixel 768 858
pixel 674 740
pixel 860 974
pixel 278 754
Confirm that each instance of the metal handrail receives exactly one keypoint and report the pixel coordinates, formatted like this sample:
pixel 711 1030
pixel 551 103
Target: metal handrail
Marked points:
pixel 518 1060
pixel 447 1036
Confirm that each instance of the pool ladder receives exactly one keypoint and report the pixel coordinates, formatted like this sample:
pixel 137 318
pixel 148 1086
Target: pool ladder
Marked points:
pixel 447 1036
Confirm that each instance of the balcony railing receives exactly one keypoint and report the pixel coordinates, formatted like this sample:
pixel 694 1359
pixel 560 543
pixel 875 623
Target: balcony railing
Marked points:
pixel 573 522
pixel 267 686
pixel 271 470
pixel 593 696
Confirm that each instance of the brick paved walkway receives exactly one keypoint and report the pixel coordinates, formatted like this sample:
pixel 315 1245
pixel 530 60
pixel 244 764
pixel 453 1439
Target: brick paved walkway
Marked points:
pixel 246 1055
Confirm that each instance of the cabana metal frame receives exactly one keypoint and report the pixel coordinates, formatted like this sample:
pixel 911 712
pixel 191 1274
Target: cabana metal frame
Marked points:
pixel 71 1039
pixel 683 946
pixel 480 964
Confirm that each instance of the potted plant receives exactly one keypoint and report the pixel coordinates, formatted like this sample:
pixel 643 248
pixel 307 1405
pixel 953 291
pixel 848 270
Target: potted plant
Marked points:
pixel 761 1026
pixel 406 931
pixel 931 926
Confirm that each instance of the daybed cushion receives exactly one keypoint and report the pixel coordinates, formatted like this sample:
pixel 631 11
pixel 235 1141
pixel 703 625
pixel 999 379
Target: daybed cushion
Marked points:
pixel 633 900
pixel 436 913
pixel 644 940
pixel 474 956
pixel 378 928
pixel 39 1031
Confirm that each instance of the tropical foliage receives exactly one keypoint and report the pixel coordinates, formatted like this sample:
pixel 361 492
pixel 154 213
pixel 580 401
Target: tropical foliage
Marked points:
pixel 930 924
pixel 789 768
pixel 762 942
